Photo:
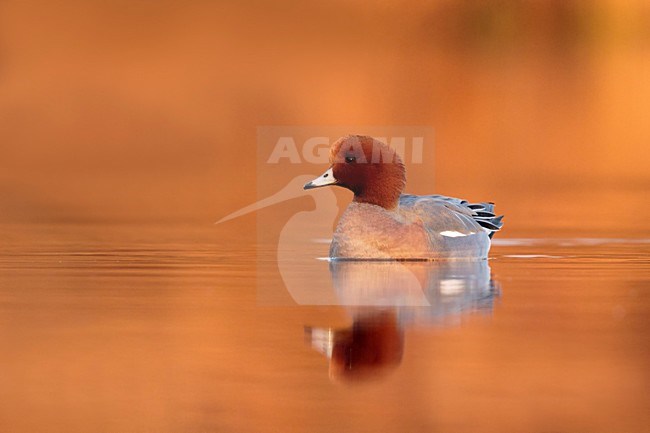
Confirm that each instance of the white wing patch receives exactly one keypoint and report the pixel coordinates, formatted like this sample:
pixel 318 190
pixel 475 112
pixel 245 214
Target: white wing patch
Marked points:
pixel 454 234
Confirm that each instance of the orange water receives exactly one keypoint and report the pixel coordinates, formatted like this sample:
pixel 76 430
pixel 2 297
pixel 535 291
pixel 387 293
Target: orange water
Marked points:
pixel 121 327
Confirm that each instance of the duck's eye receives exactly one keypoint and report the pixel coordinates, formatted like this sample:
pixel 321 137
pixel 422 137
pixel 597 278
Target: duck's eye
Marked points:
pixel 350 159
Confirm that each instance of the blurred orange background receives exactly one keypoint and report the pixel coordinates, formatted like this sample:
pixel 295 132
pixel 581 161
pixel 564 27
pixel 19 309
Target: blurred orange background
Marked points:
pixel 147 111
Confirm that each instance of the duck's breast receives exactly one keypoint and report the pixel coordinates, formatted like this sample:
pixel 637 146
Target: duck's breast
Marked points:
pixel 367 231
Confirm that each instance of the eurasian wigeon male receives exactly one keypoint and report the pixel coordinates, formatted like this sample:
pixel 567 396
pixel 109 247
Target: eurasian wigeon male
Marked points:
pixel 383 223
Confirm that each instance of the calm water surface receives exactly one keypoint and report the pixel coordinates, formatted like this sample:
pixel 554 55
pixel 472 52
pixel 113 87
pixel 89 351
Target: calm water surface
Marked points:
pixel 167 328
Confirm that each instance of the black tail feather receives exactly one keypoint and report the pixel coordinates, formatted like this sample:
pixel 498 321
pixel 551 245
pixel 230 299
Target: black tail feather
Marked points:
pixel 484 215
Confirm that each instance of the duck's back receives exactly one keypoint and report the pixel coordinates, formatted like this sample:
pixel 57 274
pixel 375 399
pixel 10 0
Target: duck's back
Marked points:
pixel 422 227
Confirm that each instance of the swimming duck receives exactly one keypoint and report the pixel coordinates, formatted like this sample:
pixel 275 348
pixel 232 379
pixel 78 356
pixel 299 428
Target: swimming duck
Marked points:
pixel 383 223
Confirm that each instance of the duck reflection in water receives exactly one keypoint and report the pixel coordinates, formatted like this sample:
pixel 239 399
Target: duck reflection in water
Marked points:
pixel 384 298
